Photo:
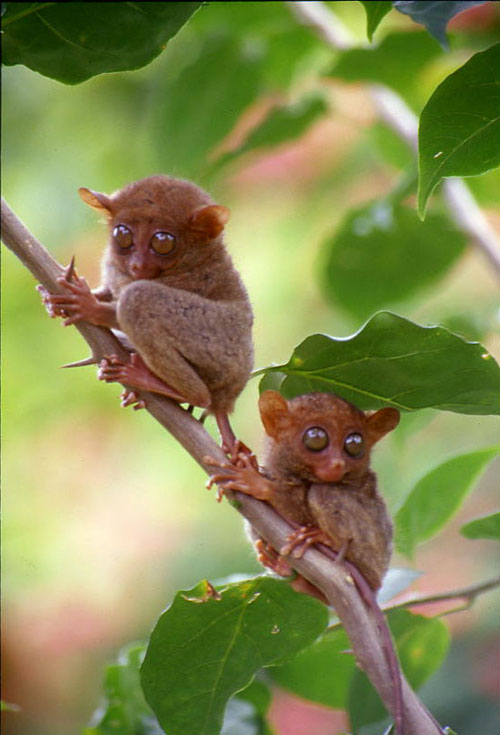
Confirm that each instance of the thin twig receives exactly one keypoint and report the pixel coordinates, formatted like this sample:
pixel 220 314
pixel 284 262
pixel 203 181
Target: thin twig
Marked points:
pixel 398 116
pixel 333 579
pixel 468 594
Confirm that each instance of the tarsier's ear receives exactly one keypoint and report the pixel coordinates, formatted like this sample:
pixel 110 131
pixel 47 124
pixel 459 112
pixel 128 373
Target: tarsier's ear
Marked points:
pixel 381 422
pixel 96 200
pixel 209 221
pixel 273 412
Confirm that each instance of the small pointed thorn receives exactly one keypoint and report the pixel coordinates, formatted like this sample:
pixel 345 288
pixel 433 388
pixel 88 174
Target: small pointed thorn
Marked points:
pixel 81 363
pixel 70 270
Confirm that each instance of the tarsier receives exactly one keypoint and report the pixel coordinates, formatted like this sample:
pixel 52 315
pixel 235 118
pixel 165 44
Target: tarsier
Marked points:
pixel 316 475
pixel 169 284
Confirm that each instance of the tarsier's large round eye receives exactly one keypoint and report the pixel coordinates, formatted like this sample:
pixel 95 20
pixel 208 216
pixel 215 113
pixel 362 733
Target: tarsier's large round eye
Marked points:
pixel 354 445
pixel 122 236
pixel 163 243
pixel 315 439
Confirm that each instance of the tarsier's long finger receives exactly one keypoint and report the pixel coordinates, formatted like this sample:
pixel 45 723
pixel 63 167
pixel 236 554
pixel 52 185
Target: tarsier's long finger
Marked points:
pixel 73 319
pixel 60 299
pixel 78 287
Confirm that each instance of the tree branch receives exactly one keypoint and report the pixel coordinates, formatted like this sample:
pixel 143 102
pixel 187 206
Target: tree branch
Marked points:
pixel 468 594
pixel 398 116
pixel 333 579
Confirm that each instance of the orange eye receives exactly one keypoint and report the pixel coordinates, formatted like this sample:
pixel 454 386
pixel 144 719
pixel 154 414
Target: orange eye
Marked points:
pixel 315 439
pixel 163 243
pixel 354 445
pixel 122 237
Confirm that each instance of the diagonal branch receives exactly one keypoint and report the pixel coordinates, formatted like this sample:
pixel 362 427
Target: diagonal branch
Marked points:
pixel 361 625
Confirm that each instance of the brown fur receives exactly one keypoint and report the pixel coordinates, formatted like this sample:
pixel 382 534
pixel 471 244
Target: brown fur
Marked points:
pixel 187 313
pixel 348 510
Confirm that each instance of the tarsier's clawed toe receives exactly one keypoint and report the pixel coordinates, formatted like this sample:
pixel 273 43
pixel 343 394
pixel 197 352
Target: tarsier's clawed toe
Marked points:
pixel 112 370
pixel 130 398
pixel 269 557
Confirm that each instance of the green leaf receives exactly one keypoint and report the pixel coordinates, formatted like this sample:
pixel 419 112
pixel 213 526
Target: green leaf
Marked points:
pixel 383 254
pixel 422 644
pixel 72 42
pixel 202 651
pixel 436 15
pixel 485 527
pixel 282 123
pixel 124 710
pixel 436 497
pixel 320 673
pixel 375 11
pixel 459 132
pixel 396 62
pixel 393 361
pixel 200 105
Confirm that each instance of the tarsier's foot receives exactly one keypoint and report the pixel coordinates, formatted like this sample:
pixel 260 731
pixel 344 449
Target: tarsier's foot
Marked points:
pixel 300 540
pixel 241 474
pixel 130 398
pixel 269 557
pixel 136 374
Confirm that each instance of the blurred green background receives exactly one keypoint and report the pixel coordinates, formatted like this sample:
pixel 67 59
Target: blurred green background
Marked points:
pixel 104 516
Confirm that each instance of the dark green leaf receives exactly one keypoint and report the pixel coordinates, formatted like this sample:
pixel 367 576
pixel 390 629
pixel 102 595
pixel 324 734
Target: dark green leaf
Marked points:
pixel 393 361
pixel 459 132
pixel 320 673
pixel 422 644
pixel 485 527
pixel 202 651
pixel 436 497
pixel 282 123
pixel 199 106
pixel 383 254
pixel 124 709
pixel 375 11
pixel 397 61
pixel 72 42
pixel 434 15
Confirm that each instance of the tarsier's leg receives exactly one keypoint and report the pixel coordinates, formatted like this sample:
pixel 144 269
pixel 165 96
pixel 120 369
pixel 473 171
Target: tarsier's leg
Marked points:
pixel 136 374
pixel 163 337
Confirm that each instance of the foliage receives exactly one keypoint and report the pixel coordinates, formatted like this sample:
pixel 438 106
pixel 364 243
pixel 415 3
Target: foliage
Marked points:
pixel 485 527
pixel 67 42
pixel 460 124
pixel 392 361
pixel 237 82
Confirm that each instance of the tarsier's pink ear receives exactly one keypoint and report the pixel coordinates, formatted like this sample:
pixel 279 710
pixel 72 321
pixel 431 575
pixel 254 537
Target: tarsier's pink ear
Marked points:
pixel 273 412
pixel 96 200
pixel 209 221
pixel 381 422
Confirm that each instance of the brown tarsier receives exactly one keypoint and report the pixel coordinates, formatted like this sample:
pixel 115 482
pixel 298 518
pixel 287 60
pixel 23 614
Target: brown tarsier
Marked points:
pixel 169 284
pixel 316 474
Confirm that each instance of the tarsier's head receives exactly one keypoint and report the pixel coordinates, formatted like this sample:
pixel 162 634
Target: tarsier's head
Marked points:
pixel 319 436
pixel 159 224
